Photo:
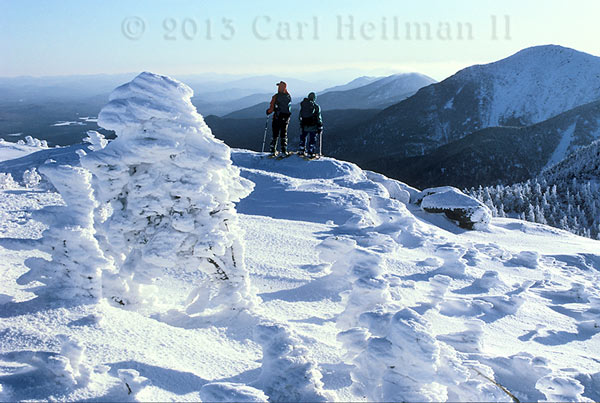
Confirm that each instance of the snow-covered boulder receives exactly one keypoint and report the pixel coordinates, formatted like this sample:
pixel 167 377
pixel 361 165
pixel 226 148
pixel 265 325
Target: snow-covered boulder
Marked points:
pixel 468 211
pixel 167 190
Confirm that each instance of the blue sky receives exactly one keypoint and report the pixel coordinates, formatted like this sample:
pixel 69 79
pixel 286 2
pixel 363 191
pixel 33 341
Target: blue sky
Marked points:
pixel 88 37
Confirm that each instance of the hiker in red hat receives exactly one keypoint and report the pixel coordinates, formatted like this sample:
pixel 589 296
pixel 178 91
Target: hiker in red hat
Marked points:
pixel 280 104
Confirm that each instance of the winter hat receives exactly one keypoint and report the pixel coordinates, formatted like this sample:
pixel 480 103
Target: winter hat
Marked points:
pixel 282 86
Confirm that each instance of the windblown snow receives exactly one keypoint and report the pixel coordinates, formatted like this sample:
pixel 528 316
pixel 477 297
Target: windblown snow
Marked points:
pixel 168 267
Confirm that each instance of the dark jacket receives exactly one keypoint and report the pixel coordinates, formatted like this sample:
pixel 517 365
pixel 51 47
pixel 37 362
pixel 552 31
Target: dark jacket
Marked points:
pixel 314 122
pixel 280 102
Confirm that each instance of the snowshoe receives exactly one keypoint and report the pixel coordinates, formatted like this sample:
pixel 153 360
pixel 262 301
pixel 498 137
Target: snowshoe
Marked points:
pixel 310 157
pixel 283 155
pixel 273 154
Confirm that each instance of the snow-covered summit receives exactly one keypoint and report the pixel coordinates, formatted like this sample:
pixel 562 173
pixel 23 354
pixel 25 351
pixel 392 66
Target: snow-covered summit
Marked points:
pixel 363 294
pixel 357 82
pixel 354 273
pixel 535 84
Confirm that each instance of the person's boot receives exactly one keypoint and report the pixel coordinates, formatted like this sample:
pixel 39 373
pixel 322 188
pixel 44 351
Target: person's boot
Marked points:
pixel 273 149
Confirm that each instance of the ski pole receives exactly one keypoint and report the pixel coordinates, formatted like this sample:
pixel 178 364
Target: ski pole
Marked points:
pixel 321 142
pixel 265 136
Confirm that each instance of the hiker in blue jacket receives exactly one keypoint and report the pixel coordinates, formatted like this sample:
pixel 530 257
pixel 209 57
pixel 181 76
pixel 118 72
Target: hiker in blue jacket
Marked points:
pixel 311 124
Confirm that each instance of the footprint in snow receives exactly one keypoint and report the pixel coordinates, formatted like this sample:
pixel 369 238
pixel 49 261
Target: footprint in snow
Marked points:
pixel 450 251
pixel 560 388
pixel 410 240
pixel 453 268
pixel 430 262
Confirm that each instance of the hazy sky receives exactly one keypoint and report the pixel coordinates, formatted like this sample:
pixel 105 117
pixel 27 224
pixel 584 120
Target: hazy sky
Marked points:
pixel 40 37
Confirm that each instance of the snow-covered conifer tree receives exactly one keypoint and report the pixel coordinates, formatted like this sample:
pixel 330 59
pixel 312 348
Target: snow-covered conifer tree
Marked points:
pixel 167 189
pixel 76 261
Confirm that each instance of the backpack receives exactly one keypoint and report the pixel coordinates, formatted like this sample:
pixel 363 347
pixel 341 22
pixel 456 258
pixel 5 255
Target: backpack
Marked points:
pixel 308 112
pixel 282 104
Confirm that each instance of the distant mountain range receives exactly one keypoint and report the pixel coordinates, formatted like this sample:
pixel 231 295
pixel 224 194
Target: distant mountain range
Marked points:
pixel 33 105
pixel 498 123
pixel 245 92
pixel 374 94
pixel 378 94
pixel 485 122
pixel 357 82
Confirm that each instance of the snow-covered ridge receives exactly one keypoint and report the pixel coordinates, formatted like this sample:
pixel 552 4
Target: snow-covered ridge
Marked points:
pixel 401 271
